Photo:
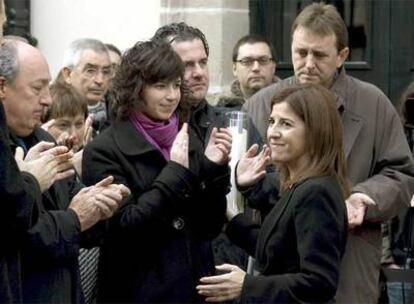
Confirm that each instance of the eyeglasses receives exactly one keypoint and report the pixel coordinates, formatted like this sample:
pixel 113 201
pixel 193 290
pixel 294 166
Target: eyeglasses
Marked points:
pixel 248 61
pixel 92 72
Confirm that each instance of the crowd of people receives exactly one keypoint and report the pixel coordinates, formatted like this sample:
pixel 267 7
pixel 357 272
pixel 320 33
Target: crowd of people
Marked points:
pixel 114 175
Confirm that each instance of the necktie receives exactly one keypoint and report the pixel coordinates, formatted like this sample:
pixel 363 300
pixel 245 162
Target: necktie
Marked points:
pixel 21 144
pixel 88 266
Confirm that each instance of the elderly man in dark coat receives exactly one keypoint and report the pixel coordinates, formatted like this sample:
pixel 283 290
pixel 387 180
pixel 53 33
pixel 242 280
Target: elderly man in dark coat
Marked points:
pixel 50 246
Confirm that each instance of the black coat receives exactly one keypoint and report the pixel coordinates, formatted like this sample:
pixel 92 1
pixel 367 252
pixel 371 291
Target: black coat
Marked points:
pixel 299 247
pixel 19 193
pixel 51 246
pixel 158 245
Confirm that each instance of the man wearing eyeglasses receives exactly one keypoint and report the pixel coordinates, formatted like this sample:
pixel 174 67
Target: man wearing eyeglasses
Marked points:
pixel 254 68
pixel 87 68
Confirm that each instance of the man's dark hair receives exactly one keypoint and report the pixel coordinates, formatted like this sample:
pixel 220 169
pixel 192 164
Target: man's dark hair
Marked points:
pixel 180 32
pixel 251 39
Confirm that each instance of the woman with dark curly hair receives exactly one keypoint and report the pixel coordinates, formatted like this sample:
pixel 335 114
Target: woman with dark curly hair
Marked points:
pixel 158 245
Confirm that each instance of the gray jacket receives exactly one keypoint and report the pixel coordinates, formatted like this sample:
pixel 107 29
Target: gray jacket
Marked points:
pixel 379 165
pixel 235 98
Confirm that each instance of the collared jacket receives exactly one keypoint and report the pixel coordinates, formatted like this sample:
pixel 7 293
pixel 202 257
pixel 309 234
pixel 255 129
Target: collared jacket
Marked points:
pixel 157 246
pixel 50 271
pixel 298 248
pixel 379 164
pixel 204 118
pixel 235 98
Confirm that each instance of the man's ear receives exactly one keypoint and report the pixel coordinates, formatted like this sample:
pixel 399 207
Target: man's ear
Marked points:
pixel 275 66
pixel 234 69
pixel 66 71
pixel 342 56
pixel 2 87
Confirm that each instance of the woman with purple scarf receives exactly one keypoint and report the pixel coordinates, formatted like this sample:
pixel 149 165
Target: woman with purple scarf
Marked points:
pixel 157 246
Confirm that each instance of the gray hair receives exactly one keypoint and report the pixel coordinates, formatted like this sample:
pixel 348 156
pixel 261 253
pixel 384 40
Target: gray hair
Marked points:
pixel 73 53
pixel 9 64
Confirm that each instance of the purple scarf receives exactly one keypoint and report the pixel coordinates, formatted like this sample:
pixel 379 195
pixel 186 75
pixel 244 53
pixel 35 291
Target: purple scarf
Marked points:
pixel 159 134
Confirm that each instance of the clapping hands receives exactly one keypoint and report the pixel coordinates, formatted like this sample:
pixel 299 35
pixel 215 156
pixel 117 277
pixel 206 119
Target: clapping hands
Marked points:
pixel 252 165
pixel 179 149
pixel 46 162
pixel 98 202
pixel 219 146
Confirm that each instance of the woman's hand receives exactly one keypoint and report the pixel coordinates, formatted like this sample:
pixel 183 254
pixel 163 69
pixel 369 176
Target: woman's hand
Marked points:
pixel 76 161
pixel 222 287
pixel 219 146
pixel 179 149
pixel 252 166
pixel 87 130
pixel 48 124
pixel 66 140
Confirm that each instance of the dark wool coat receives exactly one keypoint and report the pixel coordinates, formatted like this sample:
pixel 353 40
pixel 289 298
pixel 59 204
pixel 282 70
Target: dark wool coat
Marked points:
pixel 157 246
pixel 19 194
pixel 299 247
pixel 50 271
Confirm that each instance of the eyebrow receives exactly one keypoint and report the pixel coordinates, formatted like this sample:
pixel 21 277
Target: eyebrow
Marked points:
pixel 42 81
pixel 283 119
pixel 94 66
pixel 287 120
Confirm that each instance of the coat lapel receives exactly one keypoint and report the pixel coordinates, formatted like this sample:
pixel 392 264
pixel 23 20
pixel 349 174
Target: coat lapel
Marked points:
pixel 351 122
pixel 271 222
pixel 129 141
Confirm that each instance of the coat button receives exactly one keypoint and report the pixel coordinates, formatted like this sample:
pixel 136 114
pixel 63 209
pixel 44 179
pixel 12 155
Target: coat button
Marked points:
pixel 178 223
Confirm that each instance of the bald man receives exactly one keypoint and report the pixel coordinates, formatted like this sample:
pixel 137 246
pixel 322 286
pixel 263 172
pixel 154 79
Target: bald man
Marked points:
pixel 50 247
pixel 18 211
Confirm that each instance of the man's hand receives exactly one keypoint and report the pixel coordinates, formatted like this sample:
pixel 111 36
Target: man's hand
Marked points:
pixel 46 168
pixel 356 205
pixel 252 166
pixel 98 202
pixel 39 149
pixel 219 146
